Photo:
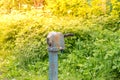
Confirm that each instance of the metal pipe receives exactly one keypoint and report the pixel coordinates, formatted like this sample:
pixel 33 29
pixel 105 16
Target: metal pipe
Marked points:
pixel 53 63
pixel 55 41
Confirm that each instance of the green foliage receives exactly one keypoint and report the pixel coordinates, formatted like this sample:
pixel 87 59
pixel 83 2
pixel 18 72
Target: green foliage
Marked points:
pixel 66 7
pixel 83 8
pixel 15 4
pixel 92 54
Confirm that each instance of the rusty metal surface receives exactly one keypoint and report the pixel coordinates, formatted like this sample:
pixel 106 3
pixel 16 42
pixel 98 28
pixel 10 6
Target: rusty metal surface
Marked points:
pixel 55 42
pixel 53 49
pixel 56 39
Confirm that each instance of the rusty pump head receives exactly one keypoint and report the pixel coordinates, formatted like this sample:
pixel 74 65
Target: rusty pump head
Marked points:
pixel 56 40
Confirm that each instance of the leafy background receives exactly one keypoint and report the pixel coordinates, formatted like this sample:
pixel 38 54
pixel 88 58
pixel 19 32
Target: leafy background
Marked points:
pixel 92 54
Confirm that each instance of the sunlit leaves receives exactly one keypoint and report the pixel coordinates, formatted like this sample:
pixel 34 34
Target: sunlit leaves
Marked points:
pixel 91 54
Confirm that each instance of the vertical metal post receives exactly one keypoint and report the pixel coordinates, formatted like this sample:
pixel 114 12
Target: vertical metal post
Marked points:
pixel 55 41
pixel 53 63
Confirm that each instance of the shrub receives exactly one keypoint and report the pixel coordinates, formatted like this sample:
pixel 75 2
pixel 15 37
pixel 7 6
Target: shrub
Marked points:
pixel 93 53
